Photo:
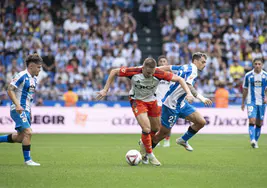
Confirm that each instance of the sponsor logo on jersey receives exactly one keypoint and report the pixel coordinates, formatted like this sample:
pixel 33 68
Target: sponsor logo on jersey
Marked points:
pixel 144 87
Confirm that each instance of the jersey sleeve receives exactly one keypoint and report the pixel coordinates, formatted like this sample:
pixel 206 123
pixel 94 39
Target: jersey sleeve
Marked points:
pixel 175 67
pixel 163 75
pixel 191 76
pixel 17 80
pixel 245 82
pixel 129 72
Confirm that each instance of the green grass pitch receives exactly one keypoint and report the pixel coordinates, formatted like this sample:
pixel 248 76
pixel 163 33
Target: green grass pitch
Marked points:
pixel 225 161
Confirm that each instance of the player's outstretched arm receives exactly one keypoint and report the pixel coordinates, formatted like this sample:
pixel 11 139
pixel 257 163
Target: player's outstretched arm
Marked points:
pixel 205 100
pixel 244 96
pixel 165 68
pixel 11 93
pixel 189 96
pixel 101 94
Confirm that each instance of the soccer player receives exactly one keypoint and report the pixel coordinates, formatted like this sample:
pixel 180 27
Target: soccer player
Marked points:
pixel 255 90
pixel 162 89
pixel 142 97
pixel 176 106
pixel 20 91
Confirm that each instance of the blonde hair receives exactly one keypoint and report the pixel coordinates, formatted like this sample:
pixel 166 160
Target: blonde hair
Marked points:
pixel 150 62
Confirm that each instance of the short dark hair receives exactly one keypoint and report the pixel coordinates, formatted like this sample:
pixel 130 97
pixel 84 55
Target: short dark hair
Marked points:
pixel 162 56
pixel 33 58
pixel 257 59
pixel 150 62
pixel 198 55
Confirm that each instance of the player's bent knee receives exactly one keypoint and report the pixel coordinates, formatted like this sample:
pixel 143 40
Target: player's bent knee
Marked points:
pixel 27 133
pixel 146 130
pixel 202 122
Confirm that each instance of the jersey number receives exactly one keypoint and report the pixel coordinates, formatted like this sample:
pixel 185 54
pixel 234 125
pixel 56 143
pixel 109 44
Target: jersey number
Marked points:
pixel 171 120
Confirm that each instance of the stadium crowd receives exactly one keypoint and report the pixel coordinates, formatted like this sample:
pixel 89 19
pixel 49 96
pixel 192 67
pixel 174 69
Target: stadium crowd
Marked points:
pixel 232 33
pixel 81 40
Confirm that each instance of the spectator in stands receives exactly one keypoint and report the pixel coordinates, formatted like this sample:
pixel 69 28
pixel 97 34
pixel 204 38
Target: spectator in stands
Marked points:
pixel 181 21
pixel 49 64
pixel 80 33
pixel 221 96
pixel 39 102
pixel 47 25
pixel 236 70
pixel 70 97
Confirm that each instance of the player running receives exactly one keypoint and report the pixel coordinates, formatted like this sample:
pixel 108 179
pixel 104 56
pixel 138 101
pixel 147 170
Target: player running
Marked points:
pixel 162 89
pixel 255 88
pixel 142 97
pixel 20 91
pixel 175 105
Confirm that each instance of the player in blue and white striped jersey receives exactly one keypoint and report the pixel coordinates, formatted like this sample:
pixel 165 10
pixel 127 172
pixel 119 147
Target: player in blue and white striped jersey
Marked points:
pixel 20 91
pixel 175 106
pixel 255 91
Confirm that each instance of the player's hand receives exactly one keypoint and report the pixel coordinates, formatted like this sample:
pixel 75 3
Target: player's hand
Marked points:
pixel 265 100
pixel 19 109
pixel 189 98
pixel 101 94
pixel 207 102
pixel 243 107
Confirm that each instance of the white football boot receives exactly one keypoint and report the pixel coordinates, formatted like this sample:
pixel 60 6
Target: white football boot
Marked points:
pixel 183 143
pixel 254 144
pixel 166 143
pixel 153 160
pixel 31 163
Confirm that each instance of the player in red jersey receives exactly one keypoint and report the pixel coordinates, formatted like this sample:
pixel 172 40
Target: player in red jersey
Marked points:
pixel 142 97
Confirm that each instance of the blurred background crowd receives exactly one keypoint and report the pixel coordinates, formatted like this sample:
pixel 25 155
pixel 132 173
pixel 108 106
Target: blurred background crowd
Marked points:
pixel 80 41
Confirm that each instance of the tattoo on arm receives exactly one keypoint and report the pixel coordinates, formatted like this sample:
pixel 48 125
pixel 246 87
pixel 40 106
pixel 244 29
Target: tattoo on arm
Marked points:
pixel 193 90
pixel 11 88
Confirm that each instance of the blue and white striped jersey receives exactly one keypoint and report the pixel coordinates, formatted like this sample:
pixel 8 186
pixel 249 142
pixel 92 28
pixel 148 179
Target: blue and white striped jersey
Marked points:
pixel 174 98
pixel 256 85
pixel 25 85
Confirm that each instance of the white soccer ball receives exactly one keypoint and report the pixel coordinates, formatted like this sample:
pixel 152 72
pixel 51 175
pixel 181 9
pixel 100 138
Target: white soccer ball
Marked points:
pixel 133 157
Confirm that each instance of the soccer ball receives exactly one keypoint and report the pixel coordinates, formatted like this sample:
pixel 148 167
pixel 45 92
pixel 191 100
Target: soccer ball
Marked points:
pixel 133 157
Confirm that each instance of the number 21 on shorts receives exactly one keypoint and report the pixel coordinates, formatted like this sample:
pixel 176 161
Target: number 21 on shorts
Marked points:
pixel 171 120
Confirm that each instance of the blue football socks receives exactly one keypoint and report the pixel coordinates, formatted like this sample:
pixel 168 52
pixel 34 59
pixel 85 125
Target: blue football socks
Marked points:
pixel 251 129
pixel 189 134
pixel 26 152
pixel 257 132
pixel 3 138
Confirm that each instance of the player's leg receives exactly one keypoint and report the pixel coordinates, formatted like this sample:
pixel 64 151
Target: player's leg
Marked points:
pixel 14 137
pixel 167 142
pixel 189 113
pixel 161 134
pixel 139 109
pixel 259 123
pixel 155 125
pixel 168 119
pixel 252 113
pixel 24 135
pixel 6 138
pixel 146 142
pixel 153 114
